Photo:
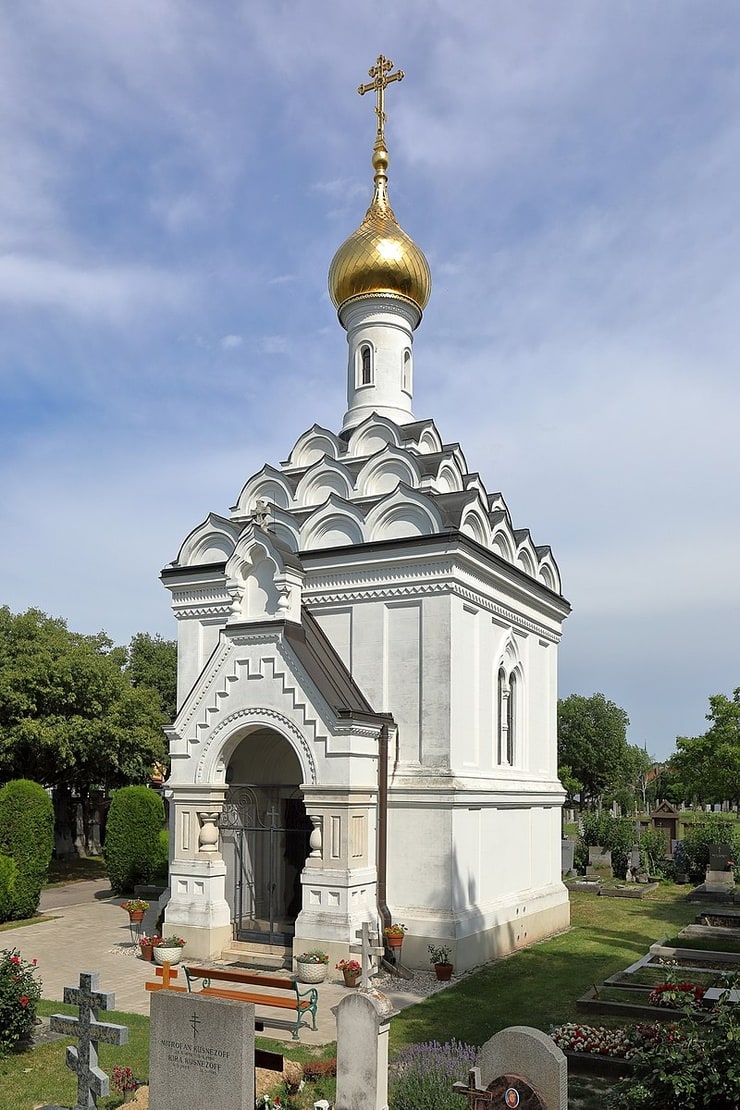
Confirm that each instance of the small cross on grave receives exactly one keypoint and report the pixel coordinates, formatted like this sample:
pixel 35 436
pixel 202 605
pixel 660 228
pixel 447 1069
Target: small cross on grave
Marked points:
pixel 368 947
pixel 506 1091
pixel 83 1060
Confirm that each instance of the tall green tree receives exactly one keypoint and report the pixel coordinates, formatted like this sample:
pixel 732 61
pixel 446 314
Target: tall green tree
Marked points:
pixel 70 717
pixel 592 745
pixel 709 765
pixel 152 661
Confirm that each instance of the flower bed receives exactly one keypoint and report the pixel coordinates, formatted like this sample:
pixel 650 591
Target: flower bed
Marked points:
pixel 601 1051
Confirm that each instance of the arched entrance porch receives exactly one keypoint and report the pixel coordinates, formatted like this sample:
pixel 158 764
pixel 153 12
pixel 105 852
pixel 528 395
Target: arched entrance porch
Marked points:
pixel 265 837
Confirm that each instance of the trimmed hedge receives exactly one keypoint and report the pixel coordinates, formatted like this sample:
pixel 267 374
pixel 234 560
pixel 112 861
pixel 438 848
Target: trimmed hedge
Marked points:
pixel 8 875
pixel 132 851
pixel 27 837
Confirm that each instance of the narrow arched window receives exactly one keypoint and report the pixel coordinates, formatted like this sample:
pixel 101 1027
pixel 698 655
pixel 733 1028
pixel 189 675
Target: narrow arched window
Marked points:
pixel 366 364
pixel 406 373
pixel 511 720
pixel 503 716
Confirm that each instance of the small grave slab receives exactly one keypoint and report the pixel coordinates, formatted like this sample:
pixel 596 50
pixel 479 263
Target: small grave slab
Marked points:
pixel 634 890
pixel 584 886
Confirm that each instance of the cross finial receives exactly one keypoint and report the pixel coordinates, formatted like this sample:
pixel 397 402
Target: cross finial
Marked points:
pixel 381 78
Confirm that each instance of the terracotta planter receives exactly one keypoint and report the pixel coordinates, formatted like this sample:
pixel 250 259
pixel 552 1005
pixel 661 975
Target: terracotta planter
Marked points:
pixel 443 972
pixel 351 978
pixel 164 955
pixel 394 941
pixel 147 951
pixel 136 916
pixel 310 973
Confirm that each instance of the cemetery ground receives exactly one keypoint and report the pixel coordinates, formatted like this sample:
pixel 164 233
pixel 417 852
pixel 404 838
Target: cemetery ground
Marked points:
pixel 538 986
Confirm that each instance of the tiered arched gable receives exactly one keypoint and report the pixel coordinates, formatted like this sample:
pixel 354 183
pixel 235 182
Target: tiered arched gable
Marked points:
pixel 384 470
pixel 212 541
pixel 268 484
pixel 336 523
pixel 324 478
pixel 314 445
pixel 405 512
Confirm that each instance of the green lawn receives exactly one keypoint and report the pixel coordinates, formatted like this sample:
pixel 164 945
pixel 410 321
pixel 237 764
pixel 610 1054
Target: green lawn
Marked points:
pixel 538 987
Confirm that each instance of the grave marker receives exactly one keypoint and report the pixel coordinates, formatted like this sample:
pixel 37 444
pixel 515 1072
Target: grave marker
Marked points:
pixel 367 949
pixel 201 1052
pixel 363 1022
pixel 83 1060
pixel 519 1068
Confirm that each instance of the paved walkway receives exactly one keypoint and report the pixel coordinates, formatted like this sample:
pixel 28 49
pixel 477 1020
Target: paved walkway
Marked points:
pixel 86 930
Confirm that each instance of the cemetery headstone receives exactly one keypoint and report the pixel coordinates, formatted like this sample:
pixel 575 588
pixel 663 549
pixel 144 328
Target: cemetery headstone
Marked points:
pixel 83 1059
pixel 368 948
pixel 719 857
pixel 599 863
pixel 363 1022
pixel 567 852
pixel 201 1052
pixel 519 1067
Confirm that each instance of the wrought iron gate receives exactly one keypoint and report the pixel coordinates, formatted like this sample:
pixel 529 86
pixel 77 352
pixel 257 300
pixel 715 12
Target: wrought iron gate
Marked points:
pixel 269 834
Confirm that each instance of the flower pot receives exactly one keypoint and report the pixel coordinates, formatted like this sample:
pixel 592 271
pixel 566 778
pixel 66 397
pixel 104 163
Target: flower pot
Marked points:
pixel 351 978
pixel 394 941
pixel 163 955
pixel 147 951
pixel 310 973
pixel 136 916
pixel 443 972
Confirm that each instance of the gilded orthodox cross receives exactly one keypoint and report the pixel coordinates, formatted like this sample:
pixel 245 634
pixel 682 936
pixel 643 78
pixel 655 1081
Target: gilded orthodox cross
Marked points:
pixel 83 1060
pixel 381 78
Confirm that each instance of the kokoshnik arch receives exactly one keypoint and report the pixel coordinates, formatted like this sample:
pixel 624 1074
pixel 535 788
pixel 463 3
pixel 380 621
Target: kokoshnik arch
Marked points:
pixel 367 671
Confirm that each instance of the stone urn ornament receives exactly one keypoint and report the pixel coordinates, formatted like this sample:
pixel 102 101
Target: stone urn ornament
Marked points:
pixel 311 967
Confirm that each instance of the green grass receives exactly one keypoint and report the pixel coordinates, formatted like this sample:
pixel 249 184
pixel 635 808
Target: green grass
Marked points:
pixel 538 987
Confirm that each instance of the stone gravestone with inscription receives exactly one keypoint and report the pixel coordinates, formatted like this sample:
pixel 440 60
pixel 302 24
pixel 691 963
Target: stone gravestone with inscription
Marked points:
pixel 599 863
pixel 567 855
pixel 83 1059
pixel 201 1053
pixel 519 1068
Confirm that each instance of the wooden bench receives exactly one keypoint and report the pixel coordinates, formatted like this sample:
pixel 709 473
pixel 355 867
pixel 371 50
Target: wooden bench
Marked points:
pixel 284 992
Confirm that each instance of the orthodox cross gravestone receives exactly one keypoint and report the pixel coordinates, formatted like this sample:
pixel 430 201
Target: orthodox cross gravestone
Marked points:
pixel 368 947
pixel 83 1060
pixel 520 1068
pixel 201 1052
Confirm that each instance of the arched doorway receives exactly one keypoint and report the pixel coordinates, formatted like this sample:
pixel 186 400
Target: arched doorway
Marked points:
pixel 265 837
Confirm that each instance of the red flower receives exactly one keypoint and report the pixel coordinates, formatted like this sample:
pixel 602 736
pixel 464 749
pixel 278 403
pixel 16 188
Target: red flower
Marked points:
pixel 24 1000
pixel 15 960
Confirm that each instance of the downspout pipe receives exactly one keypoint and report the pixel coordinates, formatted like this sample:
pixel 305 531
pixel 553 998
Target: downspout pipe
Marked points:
pixel 391 958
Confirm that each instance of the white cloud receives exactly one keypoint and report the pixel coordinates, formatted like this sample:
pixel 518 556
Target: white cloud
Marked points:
pixel 231 342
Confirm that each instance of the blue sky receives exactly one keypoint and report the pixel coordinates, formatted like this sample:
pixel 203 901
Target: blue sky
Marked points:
pixel 176 178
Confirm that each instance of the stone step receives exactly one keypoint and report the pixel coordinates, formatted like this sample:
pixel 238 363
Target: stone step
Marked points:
pixel 264 956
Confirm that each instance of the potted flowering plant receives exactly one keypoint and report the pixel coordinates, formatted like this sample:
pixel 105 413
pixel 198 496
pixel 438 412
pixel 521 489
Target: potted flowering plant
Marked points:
pixel 169 950
pixel 439 955
pixel 394 934
pixel 148 944
pixel 123 1082
pixel 135 908
pixel 312 966
pixel 351 970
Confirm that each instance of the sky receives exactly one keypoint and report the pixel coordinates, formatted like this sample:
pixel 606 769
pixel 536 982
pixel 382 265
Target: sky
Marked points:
pixel 176 177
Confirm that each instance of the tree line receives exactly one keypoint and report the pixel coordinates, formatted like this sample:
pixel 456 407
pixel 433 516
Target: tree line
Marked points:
pixel 596 764
pixel 78 714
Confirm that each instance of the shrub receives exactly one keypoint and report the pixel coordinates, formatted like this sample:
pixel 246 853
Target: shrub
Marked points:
pixel 615 834
pixel 690 1065
pixel 161 871
pixel 20 992
pixel 422 1075
pixel 653 851
pixel 132 844
pixel 8 873
pixel 715 828
pixel 27 836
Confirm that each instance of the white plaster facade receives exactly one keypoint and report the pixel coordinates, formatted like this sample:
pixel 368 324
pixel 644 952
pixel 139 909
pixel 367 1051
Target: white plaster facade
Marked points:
pixel 370 585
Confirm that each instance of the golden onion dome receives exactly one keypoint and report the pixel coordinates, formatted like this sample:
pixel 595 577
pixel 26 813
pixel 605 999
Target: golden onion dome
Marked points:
pixel 380 257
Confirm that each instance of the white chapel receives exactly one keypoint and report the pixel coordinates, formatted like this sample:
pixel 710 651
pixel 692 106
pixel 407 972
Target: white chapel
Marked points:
pixel 367 672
